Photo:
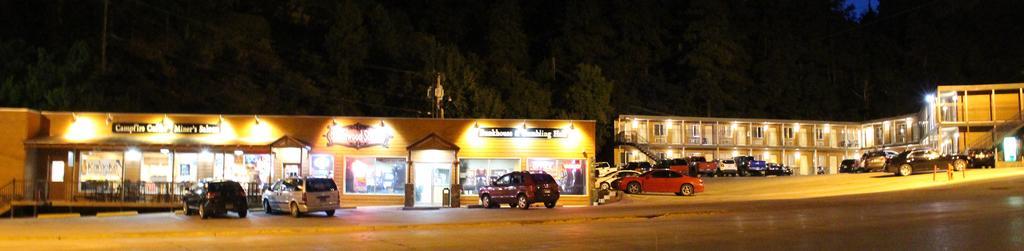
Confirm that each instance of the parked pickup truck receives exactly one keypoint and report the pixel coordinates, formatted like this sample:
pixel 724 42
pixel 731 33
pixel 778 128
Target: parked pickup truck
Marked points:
pixel 756 167
pixel 678 165
pixel 744 165
pixel 703 166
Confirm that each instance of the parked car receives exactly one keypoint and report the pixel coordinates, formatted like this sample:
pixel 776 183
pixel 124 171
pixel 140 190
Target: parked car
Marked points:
pixel 778 170
pixel 603 168
pixel 875 161
pixel 520 189
pixel 727 167
pixel 215 197
pixel 641 166
pixel 611 180
pixel 849 166
pixel 662 181
pixel 298 196
pixel 921 160
pixel 980 158
pixel 702 166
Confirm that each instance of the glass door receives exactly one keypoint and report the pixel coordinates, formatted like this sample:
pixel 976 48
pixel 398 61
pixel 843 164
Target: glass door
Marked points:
pixel 431 180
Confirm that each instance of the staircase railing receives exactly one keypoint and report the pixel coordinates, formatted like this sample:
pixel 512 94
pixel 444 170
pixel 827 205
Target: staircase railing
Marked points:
pixel 633 139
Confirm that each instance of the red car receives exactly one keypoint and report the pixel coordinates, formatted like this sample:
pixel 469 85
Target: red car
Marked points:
pixel 662 181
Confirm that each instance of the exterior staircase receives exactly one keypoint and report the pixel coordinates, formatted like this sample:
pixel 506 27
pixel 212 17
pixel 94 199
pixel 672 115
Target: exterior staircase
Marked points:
pixel 11 193
pixel 634 140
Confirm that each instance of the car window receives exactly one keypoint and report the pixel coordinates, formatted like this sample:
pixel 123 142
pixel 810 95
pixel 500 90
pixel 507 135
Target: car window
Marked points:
pixel 321 185
pixel 504 180
pixel 276 187
pixel 627 174
pixel 673 175
pixel 542 178
pixel 728 161
pixel 516 179
pixel 660 174
pixel 292 184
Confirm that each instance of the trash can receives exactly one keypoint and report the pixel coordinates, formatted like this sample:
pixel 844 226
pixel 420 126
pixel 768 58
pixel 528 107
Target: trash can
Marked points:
pixel 446 200
pixel 456 195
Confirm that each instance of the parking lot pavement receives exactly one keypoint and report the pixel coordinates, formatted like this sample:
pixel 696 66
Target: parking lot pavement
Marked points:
pixel 723 195
pixel 983 215
pixel 727 189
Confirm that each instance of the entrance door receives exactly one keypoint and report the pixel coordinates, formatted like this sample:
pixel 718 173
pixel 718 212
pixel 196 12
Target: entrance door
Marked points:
pixel 57 177
pixel 431 180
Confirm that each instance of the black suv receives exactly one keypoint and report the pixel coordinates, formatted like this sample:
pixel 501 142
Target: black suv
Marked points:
pixel 215 197
pixel 982 158
pixel 638 166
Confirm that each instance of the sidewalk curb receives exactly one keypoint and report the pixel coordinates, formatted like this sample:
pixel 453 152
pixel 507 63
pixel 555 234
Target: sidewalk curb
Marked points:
pixel 350 229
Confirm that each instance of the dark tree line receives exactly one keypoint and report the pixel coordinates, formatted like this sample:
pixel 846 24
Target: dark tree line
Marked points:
pixel 808 59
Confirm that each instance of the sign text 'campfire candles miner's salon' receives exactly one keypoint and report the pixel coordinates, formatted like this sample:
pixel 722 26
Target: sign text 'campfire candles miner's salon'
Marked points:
pixel 511 132
pixel 161 128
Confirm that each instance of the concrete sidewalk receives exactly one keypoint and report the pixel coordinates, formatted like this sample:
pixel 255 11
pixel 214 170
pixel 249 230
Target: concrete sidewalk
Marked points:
pixel 724 196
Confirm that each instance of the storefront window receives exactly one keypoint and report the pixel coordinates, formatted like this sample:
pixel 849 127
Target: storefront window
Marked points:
pixel 570 174
pixel 323 166
pixel 475 173
pixel 156 167
pixel 186 167
pixel 371 175
pixel 101 166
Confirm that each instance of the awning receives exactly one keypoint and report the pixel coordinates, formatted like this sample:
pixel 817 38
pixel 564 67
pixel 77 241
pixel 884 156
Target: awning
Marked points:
pixel 433 142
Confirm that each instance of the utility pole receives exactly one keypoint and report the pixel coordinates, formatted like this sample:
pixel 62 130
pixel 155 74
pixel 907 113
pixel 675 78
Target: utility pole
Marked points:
pixel 103 38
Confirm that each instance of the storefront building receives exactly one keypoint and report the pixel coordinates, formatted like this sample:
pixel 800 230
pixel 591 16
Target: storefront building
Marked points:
pixel 151 158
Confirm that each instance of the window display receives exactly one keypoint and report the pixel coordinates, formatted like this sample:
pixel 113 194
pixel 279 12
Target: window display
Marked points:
pixel 187 163
pixel 570 174
pixel 101 166
pixel 323 166
pixel 475 173
pixel 372 175
pixel 156 167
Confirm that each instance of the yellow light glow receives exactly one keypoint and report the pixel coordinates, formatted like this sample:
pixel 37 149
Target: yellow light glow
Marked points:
pixel 635 124
pixel 796 155
pixel 796 127
pixel 260 132
pixel 668 124
pixel 82 128
pixel 132 154
pixel 827 128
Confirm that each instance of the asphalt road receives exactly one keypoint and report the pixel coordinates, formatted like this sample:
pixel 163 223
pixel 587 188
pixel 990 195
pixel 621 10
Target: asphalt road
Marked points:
pixel 979 215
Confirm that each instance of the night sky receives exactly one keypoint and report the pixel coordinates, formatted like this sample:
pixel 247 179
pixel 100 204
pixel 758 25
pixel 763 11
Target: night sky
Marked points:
pixel 862 5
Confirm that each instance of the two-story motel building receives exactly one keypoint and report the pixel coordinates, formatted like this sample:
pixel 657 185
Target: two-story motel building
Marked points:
pixel 954 118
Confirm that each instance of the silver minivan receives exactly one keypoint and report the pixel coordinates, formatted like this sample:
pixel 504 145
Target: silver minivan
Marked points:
pixel 298 196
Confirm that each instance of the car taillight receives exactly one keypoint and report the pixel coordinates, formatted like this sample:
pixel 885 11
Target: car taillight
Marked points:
pixel 303 198
pixel 211 195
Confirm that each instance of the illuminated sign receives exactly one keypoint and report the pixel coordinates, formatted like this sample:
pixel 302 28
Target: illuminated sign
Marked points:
pixel 161 128
pixel 358 136
pixel 1010 145
pixel 510 132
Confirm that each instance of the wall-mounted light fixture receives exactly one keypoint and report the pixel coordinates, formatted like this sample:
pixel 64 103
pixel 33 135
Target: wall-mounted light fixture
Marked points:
pixel 238 152
pixel 256 118
pixel 110 119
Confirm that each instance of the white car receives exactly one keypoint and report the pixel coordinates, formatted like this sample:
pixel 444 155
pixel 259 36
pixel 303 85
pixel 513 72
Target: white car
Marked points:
pixel 298 196
pixel 610 180
pixel 604 168
pixel 727 167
